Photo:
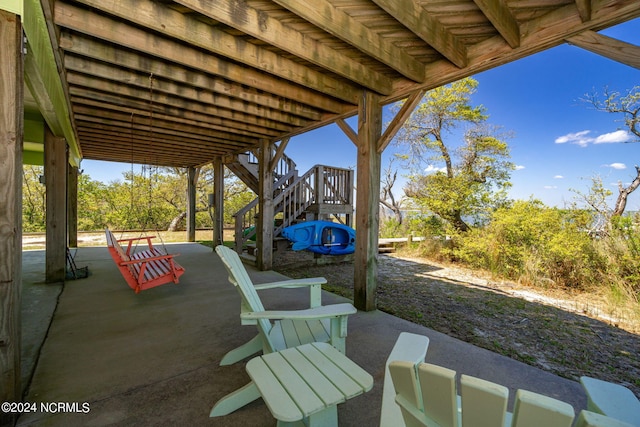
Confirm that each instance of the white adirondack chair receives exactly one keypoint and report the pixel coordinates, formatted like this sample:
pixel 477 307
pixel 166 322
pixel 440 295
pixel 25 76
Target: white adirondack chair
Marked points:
pixel 612 400
pixel 278 330
pixel 408 348
pixel 428 396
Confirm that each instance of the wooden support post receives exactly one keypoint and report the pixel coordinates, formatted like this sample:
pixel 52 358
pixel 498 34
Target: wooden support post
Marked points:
pixel 349 216
pixel 318 195
pixel 192 182
pixel 264 237
pixel 11 139
pixel 55 176
pixel 367 202
pixel 218 201
pixel 72 206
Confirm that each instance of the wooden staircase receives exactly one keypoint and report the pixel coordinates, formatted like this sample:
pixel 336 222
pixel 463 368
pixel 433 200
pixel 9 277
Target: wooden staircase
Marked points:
pixel 323 192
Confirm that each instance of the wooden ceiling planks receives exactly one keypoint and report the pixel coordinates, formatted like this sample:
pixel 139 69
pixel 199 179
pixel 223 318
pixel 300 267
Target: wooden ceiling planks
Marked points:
pixel 178 83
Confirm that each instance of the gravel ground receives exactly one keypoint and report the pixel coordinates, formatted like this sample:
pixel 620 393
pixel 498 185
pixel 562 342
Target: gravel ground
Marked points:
pixel 569 335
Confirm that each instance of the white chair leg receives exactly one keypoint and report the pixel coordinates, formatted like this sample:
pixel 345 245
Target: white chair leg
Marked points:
pixel 235 400
pixel 245 350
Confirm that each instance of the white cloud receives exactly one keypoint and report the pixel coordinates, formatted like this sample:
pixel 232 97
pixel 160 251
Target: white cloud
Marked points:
pixel 431 168
pixel 612 137
pixel 550 187
pixel 579 138
pixel 519 167
pixel 618 166
pixel 558 177
pixel 583 139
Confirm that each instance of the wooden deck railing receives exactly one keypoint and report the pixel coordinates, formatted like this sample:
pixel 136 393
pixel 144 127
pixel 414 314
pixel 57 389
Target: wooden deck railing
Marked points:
pixel 321 185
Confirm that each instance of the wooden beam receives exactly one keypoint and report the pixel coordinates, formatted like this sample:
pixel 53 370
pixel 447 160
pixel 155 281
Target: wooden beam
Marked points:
pixel 413 16
pixel 279 152
pixel 124 82
pixel 326 16
pixel 348 130
pixel 94 49
pixel 139 138
pixel 264 235
pixel 395 125
pixel 547 31
pixel 584 9
pixel 400 118
pixel 367 203
pixel 242 16
pixel 55 175
pixel 218 201
pixel 625 53
pixel 500 16
pixel 157 126
pixel 157 17
pixel 236 124
pixel 11 136
pixel 99 100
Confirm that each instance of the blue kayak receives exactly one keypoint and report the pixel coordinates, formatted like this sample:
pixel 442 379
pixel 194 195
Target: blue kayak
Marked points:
pixel 321 237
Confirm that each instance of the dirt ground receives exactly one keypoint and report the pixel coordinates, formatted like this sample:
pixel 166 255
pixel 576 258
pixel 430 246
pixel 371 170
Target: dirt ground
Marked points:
pixel 569 335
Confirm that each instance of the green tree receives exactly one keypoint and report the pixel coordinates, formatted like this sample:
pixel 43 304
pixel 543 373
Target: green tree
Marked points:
pixel 33 199
pixel 629 107
pixel 387 198
pixel 93 204
pixel 152 199
pixel 455 179
pixel 236 195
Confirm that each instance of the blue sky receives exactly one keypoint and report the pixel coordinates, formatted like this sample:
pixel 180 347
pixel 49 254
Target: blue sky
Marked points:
pixel 559 143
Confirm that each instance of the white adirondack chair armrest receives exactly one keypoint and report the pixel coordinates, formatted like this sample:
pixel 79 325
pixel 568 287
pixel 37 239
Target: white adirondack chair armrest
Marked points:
pixel 313 283
pixel 325 311
pixel 292 283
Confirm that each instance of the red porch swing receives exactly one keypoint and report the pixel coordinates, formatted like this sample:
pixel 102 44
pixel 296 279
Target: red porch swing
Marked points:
pixel 151 267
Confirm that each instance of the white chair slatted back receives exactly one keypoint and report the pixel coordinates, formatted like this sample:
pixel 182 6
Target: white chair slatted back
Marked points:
pixel 439 396
pixel 484 404
pixel 404 381
pixel 239 277
pixel 427 397
pixel 410 348
pixel 434 387
pixel 533 410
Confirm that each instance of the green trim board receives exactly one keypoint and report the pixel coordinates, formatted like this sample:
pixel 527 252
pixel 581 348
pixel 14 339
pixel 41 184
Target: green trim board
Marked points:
pixel 43 80
pixel 34 128
pixel 35 158
pixel 13 6
pixel 33 145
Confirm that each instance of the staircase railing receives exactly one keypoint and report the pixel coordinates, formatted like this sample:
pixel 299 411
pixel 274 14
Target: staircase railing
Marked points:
pixel 320 185
pixel 284 166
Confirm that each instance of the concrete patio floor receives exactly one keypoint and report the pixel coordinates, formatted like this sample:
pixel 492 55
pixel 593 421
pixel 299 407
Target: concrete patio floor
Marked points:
pixel 152 359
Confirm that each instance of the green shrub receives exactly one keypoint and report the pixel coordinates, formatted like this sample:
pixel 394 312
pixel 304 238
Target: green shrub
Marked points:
pixel 531 242
pixel 391 228
pixel 621 250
